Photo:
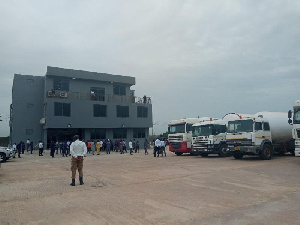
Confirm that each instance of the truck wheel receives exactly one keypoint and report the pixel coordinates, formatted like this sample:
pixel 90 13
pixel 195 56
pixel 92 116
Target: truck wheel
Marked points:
pixel 3 156
pixel 178 153
pixel 204 154
pixel 223 151
pixel 238 155
pixel 267 152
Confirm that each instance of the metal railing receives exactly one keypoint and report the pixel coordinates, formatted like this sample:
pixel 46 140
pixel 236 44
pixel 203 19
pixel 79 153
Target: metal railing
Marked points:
pixel 97 97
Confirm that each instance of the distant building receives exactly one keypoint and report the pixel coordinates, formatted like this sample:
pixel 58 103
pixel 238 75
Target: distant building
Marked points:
pixel 66 102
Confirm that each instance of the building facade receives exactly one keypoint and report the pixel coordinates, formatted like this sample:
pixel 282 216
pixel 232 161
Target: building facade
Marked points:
pixel 66 102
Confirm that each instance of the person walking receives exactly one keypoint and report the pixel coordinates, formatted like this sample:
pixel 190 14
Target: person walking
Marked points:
pixel 14 147
pixel 163 148
pixel 41 148
pixel 77 150
pixel 130 147
pixel 146 146
pixel 56 147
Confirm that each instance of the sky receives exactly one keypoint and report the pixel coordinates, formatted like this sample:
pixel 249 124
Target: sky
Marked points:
pixel 192 57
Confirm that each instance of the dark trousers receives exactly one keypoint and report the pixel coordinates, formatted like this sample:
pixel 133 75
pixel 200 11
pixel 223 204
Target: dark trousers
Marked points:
pixel 52 152
pixel 41 151
pixel 107 149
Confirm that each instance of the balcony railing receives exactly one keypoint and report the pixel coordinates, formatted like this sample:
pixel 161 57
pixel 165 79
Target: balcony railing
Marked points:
pixel 97 97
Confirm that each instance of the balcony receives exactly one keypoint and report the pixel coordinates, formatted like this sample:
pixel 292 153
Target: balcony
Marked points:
pixel 94 97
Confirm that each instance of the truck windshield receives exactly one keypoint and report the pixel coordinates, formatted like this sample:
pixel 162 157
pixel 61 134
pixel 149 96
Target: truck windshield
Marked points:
pixel 240 126
pixel 179 128
pixel 203 130
pixel 297 115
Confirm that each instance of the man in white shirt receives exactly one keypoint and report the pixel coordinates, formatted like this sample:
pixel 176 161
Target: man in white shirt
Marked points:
pixel 130 147
pixel 41 148
pixel 157 145
pixel 163 148
pixel 77 150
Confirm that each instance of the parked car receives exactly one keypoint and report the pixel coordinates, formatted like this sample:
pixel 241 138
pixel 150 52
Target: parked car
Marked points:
pixel 6 153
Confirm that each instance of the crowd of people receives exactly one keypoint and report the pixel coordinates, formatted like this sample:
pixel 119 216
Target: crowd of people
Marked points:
pixel 93 147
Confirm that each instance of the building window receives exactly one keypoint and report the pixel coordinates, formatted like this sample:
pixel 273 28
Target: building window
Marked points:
pixel 120 133
pixel 61 84
pixel 98 134
pixel 122 111
pixel 62 109
pixel 139 133
pixel 100 110
pixel 29 131
pixel 142 111
pixel 97 94
pixel 119 90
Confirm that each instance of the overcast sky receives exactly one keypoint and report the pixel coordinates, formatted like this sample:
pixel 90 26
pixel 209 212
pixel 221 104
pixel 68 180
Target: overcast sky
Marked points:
pixel 193 57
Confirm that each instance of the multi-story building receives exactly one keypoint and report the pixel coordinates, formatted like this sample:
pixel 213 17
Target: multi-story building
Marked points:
pixel 66 102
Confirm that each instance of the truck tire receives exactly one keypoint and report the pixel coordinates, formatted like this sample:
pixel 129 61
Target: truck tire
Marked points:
pixel 238 155
pixel 3 156
pixel 203 154
pixel 178 153
pixel 223 150
pixel 267 152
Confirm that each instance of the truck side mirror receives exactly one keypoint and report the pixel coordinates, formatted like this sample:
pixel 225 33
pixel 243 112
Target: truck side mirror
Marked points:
pixel 290 114
pixel 290 121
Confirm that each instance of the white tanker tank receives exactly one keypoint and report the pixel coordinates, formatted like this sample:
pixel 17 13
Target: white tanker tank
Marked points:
pixel 281 131
pixel 263 134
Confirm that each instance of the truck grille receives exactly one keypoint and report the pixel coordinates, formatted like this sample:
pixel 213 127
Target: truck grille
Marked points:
pixel 244 142
pixel 176 145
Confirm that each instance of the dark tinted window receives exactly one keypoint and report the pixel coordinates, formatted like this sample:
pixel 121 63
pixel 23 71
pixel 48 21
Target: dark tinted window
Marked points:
pixel 142 111
pixel 266 126
pixel 258 126
pixel 139 133
pixel 100 110
pixel 61 84
pixel 189 127
pixel 119 90
pixel 62 109
pixel 122 111
pixel 120 133
pixel 97 134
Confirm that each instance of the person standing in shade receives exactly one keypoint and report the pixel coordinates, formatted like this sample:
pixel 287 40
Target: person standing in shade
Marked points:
pixel 19 147
pixel 137 147
pixel 146 146
pixel 107 146
pixel 14 147
pixel 27 145
pixel 23 147
pixel 93 147
pixel 98 146
pixel 52 149
pixel 56 147
pixel 31 147
pixel 77 150
pixel 64 149
pixel 130 147
pixel 41 148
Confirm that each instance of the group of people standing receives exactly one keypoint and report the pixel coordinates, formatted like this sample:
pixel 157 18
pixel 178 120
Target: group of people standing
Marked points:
pixel 159 147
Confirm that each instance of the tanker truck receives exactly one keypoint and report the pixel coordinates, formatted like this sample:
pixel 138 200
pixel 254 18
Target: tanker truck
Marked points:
pixel 262 134
pixel 209 137
pixel 295 114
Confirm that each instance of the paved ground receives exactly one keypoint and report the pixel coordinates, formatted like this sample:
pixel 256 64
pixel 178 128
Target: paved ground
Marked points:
pixel 139 189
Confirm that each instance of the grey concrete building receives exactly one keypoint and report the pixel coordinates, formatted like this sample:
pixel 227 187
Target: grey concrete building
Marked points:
pixel 66 102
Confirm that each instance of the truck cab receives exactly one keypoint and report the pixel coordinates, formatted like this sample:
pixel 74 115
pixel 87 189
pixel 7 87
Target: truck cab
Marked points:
pixel 249 136
pixel 294 119
pixel 209 137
